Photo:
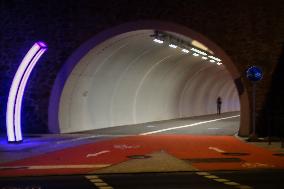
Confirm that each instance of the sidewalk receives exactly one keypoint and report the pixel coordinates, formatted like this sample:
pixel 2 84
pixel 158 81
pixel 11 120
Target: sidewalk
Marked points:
pixel 37 144
pixel 274 145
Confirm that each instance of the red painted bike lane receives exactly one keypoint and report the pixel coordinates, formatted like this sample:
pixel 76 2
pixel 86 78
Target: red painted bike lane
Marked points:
pixel 88 158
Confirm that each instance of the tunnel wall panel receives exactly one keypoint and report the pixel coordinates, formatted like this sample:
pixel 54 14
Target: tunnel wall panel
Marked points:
pixel 129 79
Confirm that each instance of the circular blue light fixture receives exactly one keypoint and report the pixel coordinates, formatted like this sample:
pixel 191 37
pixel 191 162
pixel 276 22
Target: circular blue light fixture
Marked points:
pixel 254 73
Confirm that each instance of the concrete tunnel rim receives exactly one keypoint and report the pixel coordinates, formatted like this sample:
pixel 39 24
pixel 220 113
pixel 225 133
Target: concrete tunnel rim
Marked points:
pixel 85 47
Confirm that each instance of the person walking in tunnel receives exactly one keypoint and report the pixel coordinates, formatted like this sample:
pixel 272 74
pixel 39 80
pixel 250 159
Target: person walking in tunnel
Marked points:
pixel 219 104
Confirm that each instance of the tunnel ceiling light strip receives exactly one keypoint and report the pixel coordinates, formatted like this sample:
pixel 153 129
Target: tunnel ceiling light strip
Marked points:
pixel 158 41
pixel 214 58
pixel 14 104
pixel 160 38
pixel 198 51
pixel 185 50
pixel 172 46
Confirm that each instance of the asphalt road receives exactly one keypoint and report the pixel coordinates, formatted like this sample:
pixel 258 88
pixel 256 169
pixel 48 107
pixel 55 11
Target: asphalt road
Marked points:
pixel 259 179
pixel 227 126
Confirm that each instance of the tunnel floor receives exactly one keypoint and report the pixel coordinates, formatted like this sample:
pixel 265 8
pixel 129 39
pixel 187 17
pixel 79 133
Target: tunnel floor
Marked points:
pixel 153 153
pixel 160 152
pixel 226 124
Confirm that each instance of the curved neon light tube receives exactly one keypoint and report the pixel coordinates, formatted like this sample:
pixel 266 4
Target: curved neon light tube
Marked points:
pixel 13 114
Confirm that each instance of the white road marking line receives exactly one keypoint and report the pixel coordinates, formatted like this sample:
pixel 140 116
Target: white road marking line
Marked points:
pixel 216 149
pixel 83 166
pixel 98 153
pixel 184 126
pixel 213 128
pixel 78 139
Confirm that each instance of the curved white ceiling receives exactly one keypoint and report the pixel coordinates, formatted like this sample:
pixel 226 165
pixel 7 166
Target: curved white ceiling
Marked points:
pixel 130 79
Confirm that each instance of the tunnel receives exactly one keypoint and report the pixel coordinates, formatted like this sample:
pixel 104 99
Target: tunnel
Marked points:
pixel 140 76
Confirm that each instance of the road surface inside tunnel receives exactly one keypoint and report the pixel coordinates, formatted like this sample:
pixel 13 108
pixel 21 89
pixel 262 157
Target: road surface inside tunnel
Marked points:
pixel 224 124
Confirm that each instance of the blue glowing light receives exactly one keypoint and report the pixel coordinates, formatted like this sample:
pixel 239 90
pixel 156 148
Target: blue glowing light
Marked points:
pixel 254 73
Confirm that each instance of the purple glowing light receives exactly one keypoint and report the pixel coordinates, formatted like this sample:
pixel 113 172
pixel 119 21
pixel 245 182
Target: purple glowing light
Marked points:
pixel 42 44
pixel 13 114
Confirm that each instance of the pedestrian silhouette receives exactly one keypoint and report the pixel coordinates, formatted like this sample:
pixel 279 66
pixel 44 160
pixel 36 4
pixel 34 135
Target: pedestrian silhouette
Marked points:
pixel 219 104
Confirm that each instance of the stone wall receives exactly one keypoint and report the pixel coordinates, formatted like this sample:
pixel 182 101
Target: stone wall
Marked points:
pixel 250 31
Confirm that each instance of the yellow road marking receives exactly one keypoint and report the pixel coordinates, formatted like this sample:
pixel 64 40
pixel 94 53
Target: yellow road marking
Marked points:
pixel 225 181
pixel 232 183
pixel 203 173
pixel 101 184
pixel 221 180
pixel 96 180
pixel 211 176
pixel 92 176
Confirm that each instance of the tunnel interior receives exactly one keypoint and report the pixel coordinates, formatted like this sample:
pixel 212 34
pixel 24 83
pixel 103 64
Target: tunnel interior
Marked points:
pixel 131 78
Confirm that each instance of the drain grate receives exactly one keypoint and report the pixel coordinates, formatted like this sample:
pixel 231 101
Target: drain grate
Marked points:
pixel 236 153
pixel 279 154
pixel 214 160
pixel 139 157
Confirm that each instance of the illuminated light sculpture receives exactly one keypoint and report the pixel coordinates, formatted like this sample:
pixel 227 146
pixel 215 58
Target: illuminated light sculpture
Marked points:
pixel 14 104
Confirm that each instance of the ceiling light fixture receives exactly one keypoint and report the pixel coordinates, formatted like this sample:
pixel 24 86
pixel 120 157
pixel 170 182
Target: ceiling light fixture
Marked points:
pixel 215 58
pixel 172 46
pixel 198 51
pixel 158 41
pixel 185 50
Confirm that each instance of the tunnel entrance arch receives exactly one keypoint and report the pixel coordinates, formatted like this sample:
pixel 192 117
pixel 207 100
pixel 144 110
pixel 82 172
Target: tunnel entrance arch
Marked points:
pixel 75 58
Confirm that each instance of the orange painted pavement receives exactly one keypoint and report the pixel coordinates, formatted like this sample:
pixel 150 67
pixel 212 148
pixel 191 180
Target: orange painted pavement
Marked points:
pixel 116 151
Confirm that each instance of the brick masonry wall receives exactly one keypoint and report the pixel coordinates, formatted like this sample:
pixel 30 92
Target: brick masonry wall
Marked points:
pixel 251 32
